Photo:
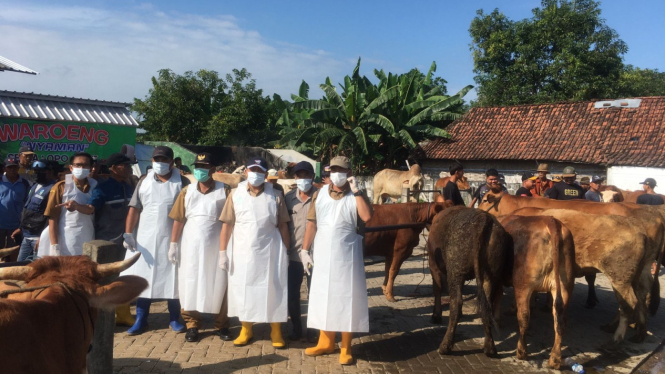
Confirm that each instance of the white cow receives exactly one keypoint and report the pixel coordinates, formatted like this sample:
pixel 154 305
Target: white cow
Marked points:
pixel 390 182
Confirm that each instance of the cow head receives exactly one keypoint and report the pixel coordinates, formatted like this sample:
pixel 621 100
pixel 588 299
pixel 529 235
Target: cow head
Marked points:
pixel 610 196
pixel 463 184
pixel 8 251
pixel 81 275
pixel 490 202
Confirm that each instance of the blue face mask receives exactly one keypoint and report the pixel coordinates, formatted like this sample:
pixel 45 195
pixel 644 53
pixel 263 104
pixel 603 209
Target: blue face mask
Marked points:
pixel 202 175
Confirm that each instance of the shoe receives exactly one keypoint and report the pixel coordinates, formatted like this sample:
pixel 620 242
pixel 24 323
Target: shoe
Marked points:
pixel 225 334
pixel 142 311
pixel 326 344
pixel 123 317
pixel 276 336
pixel 245 336
pixel 192 335
pixel 295 336
pixel 174 316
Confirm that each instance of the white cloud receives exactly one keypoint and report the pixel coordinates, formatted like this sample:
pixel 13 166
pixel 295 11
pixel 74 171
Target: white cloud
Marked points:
pixel 111 55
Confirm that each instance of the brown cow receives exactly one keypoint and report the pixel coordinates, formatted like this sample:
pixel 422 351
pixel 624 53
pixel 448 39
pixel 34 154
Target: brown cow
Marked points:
pixel 54 313
pixel 462 184
pixel 464 244
pixel 4 252
pixel 617 247
pixel 618 196
pixel 544 257
pixel 652 221
pixel 389 182
pixel 230 180
pixel 397 245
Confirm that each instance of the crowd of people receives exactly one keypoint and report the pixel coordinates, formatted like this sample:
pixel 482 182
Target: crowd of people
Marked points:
pixel 564 187
pixel 205 248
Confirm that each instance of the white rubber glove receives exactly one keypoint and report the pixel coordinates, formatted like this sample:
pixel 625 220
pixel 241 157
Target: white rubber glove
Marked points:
pixel 306 260
pixel 129 242
pixel 55 250
pixel 353 183
pixel 223 261
pixel 174 248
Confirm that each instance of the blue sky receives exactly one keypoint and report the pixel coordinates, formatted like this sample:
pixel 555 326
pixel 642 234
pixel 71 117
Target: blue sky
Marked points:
pixel 110 49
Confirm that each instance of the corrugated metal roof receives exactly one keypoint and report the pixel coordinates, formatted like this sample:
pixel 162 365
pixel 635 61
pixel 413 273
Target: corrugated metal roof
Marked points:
pixel 60 108
pixel 9 65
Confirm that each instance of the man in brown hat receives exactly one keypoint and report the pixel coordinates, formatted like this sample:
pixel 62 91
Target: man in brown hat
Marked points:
pixel 541 184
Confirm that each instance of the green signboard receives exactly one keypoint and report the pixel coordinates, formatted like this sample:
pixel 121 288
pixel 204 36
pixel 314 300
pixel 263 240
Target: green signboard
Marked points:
pixel 60 140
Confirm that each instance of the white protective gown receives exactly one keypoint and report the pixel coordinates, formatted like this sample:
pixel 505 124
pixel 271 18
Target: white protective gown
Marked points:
pixel 153 237
pixel 201 283
pixel 258 259
pixel 338 297
pixel 74 228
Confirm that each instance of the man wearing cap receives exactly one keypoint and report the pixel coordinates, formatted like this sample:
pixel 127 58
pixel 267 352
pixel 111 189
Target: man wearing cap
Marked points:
pixel 541 184
pixel 585 183
pixel 528 180
pixel 325 175
pixel 273 177
pixel 650 197
pixel 110 205
pixel 149 207
pixel 568 189
pixel 338 296
pixel 194 249
pixel 68 227
pixel 451 191
pixel 25 158
pixel 491 182
pixel 593 194
pixel 33 219
pixel 13 195
pixel 298 202
pixel 256 215
pixel 183 168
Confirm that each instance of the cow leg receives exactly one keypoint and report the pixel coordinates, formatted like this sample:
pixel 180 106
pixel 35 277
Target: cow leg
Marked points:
pixel 627 303
pixel 455 311
pixel 641 292
pixel 522 299
pixel 386 277
pixel 436 288
pixel 376 197
pixel 591 299
pixel 559 325
pixel 488 346
pixel 391 275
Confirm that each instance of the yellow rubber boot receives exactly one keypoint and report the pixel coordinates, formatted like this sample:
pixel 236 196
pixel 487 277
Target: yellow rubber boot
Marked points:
pixel 276 335
pixel 123 317
pixel 326 344
pixel 345 357
pixel 245 335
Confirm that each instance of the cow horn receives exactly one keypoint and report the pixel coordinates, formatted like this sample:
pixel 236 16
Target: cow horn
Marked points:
pixel 14 272
pixel 116 267
pixel 7 251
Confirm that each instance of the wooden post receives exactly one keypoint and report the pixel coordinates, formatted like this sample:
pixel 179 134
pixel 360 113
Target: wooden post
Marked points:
pixel 406 192
pixel 100 358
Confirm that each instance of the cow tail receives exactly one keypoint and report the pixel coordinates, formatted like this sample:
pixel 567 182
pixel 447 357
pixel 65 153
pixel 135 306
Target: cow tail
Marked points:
pixel 654 301
pixel 554 227
pixel 484 305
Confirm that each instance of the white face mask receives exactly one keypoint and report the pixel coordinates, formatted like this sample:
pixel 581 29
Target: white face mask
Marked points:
pixel 255 179
pixel 338 179
pixel 304 185
pixel 161 168
pixel 80 173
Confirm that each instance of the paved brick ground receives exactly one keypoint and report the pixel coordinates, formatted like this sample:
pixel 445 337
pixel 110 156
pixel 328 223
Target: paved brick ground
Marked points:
pixel 401 339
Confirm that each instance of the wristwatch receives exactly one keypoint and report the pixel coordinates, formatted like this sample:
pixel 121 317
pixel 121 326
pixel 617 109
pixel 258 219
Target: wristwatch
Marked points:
pixel 359 193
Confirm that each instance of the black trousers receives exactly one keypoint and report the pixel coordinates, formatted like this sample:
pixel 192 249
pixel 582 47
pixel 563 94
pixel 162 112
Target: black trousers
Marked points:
pixel 295 275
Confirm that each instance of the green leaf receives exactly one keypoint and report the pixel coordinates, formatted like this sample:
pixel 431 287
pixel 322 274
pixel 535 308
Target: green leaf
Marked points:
pixel 389 94
pixel 360 138
pixel 303 92
pixel 431 131
pixel 428 78
pixel 406 138
pixel 328 115
pixel 311 104
pixel 381 121
pixel 332 96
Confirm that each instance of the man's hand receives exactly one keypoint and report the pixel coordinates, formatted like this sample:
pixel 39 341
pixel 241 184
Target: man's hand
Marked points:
pixel 129 242
pixel 223 261
pixel 174 248
pixel 55 250
pixel 306 260
pixel 353 183
pixel 16 233
pixel 70 205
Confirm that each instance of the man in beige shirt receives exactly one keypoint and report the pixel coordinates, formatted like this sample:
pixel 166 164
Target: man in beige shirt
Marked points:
pixel 256 215
pixel 298 202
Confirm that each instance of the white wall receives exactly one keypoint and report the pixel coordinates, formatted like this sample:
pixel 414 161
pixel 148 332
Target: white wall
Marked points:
pixel 629 177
